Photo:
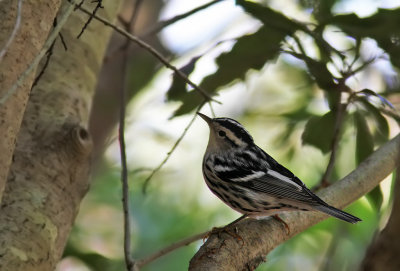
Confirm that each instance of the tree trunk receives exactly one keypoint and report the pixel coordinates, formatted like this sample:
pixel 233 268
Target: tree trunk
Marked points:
pixel 50 169
pixel 18 50
pixel 384 252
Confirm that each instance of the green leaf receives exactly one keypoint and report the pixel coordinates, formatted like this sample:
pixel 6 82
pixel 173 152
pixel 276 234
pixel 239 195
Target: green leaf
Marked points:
pixel 364 147
pixel 190 101
pixel 177 90
pixel 364 139
pixel 375 197
pixel 270 17
pixel 382 126
pixel 384 101
pixel 249 52
pixel 319 130
pixel 322 9
pixel 383 26
pixel 320 72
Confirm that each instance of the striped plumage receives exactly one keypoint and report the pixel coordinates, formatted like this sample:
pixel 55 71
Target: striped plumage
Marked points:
pixel 250 181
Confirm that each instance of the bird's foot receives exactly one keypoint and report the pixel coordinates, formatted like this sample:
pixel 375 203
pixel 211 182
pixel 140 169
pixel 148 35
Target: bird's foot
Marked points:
pixel 277 218
pixel 232 231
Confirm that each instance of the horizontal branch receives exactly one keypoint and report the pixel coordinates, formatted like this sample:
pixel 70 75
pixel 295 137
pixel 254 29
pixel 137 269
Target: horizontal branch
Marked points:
pixel 259 237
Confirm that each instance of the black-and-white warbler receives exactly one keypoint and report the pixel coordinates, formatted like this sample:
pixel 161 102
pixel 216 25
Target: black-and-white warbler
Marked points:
pixel 250 181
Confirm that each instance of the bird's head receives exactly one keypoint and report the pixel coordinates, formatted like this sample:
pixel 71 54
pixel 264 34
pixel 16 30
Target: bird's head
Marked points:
pixel 225 134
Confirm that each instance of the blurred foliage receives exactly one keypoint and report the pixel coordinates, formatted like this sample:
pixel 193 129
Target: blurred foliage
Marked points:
pixel 312 76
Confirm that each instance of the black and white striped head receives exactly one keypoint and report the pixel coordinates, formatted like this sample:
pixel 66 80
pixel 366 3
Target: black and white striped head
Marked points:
pixel 226 133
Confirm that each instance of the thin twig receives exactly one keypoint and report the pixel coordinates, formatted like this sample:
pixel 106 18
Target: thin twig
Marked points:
pixel 153 51
pixel 129 26
pixel 65 13
pixel 212 110
pixel 49 53
pixel 98 6
pixel 46 63
pixel 64 44
pixel 162 24
pixel 351 73
pixel 155 170
pixel 171 248
pixel 129 262
pixel 14 31
pixel 340 113
pixel 299 44
pixel 134 16
pixel 79 5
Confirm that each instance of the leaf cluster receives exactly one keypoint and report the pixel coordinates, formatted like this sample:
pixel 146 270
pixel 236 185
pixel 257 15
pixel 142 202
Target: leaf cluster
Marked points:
pixel 280 36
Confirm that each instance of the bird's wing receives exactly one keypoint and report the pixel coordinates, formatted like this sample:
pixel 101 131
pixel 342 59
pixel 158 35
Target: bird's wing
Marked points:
pixel 276 185
pixel 257 171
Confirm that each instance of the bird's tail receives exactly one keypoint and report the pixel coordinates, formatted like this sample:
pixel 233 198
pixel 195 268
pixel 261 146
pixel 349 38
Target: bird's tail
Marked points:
pixel 337 213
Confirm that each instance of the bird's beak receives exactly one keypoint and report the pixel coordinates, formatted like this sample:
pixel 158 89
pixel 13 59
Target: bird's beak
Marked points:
pixel 204 117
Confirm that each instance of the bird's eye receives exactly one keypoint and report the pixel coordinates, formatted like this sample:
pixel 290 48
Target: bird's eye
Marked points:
pixel 221 133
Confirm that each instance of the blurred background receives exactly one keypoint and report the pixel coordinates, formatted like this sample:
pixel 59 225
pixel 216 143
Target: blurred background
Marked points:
pixel 274 101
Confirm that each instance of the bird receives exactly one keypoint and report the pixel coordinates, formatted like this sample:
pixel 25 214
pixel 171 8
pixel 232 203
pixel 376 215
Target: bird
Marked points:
pixel 250 181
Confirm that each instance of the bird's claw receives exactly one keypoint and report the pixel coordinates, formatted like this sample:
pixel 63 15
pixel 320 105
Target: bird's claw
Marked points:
pixel 277 218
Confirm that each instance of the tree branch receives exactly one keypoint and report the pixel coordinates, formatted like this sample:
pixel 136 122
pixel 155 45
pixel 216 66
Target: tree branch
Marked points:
pixel 162 24
pixel 261 236
pixel 155 170
pixel 152 51
pixel 170 248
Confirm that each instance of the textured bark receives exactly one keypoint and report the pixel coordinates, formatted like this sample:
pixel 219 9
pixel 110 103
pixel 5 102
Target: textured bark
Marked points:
pixel 261 236
pixel 36 22
pixel 384 252
pixel 50 170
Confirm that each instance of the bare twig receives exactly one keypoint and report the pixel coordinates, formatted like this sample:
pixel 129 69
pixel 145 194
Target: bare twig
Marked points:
pixel 340 113
pixel 98 6
pixel 155 170
pixel 46 63
pixel 129 262
pixel 162 24
pixel 153 51
pixel 129 26
pixel 64 44
pixel 211 109
pixel 64 14
pixel 134 16
pixel 14 31
pixel 49 53
pixel 171 248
